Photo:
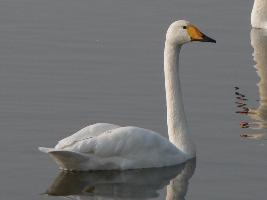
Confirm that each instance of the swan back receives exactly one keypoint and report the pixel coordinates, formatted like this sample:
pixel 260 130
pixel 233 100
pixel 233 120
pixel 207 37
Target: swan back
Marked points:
pixel 85 133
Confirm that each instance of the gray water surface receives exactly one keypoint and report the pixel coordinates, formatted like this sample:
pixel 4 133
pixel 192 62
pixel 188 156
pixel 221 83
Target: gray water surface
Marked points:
pixel 67 64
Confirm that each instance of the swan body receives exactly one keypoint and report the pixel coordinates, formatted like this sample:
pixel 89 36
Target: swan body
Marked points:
pixel 259 14
pixel 115 148
pixel 105 146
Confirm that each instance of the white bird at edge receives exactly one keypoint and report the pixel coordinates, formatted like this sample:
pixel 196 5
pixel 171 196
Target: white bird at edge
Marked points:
pixel 259 14
pixel 105 146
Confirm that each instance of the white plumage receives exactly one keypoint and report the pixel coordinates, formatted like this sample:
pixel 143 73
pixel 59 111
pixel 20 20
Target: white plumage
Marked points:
pixel 259 14
pixel 117 148
pixel 105 146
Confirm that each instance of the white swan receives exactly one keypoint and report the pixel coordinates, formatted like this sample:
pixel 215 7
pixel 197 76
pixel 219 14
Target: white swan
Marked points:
pixel 107 146
pixel 259 14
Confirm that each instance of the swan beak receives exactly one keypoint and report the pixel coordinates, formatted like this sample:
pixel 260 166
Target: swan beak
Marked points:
pixel 196 35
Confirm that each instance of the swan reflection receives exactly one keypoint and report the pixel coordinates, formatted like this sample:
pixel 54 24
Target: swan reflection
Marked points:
pixel 257 115
pixel 259 43
pixel 130 184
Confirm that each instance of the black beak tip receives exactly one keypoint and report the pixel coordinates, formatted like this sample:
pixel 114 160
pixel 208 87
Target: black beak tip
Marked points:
pixel 213 41
pixel 208 39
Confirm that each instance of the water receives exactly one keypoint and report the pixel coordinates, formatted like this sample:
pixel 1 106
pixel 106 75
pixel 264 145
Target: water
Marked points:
pixel 129 184
pixel 67 64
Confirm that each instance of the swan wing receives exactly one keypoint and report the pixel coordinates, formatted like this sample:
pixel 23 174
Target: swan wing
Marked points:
pixel 67 160
pixel 118 148
pixel 85 133
pixel 132 141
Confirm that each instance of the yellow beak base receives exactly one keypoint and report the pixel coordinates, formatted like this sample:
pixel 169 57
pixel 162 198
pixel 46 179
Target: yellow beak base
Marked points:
pixel 196 35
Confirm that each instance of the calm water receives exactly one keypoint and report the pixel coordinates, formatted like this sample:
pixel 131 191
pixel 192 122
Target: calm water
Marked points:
pixel 67 64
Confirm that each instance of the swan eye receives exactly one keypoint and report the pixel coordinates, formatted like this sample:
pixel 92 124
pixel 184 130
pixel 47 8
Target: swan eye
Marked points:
pixel 184 27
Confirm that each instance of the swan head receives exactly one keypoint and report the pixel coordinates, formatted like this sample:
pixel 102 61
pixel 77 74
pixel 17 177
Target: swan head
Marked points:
pixel 182 31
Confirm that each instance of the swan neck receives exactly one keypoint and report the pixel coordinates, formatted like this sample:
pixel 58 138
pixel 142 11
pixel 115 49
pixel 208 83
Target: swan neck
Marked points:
pixel 259 14
pixel 176 119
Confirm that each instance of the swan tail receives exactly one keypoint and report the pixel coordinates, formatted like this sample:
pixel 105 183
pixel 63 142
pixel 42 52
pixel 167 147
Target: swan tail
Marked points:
pixel 45 150
pixel 67 160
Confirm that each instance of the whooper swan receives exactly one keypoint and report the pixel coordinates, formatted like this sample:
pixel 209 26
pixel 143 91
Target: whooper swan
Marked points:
pixel 105 146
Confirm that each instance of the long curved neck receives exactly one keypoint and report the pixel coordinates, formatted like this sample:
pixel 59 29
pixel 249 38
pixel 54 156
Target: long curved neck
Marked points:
pixel 176 120
pixel 259 14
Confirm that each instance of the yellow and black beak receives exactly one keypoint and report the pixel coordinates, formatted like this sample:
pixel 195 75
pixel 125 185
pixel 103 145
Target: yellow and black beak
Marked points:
pixel 196 35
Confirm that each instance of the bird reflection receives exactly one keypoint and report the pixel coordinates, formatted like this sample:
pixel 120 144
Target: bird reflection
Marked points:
pixel 259 43
pixel 130 184
pixel 257 115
